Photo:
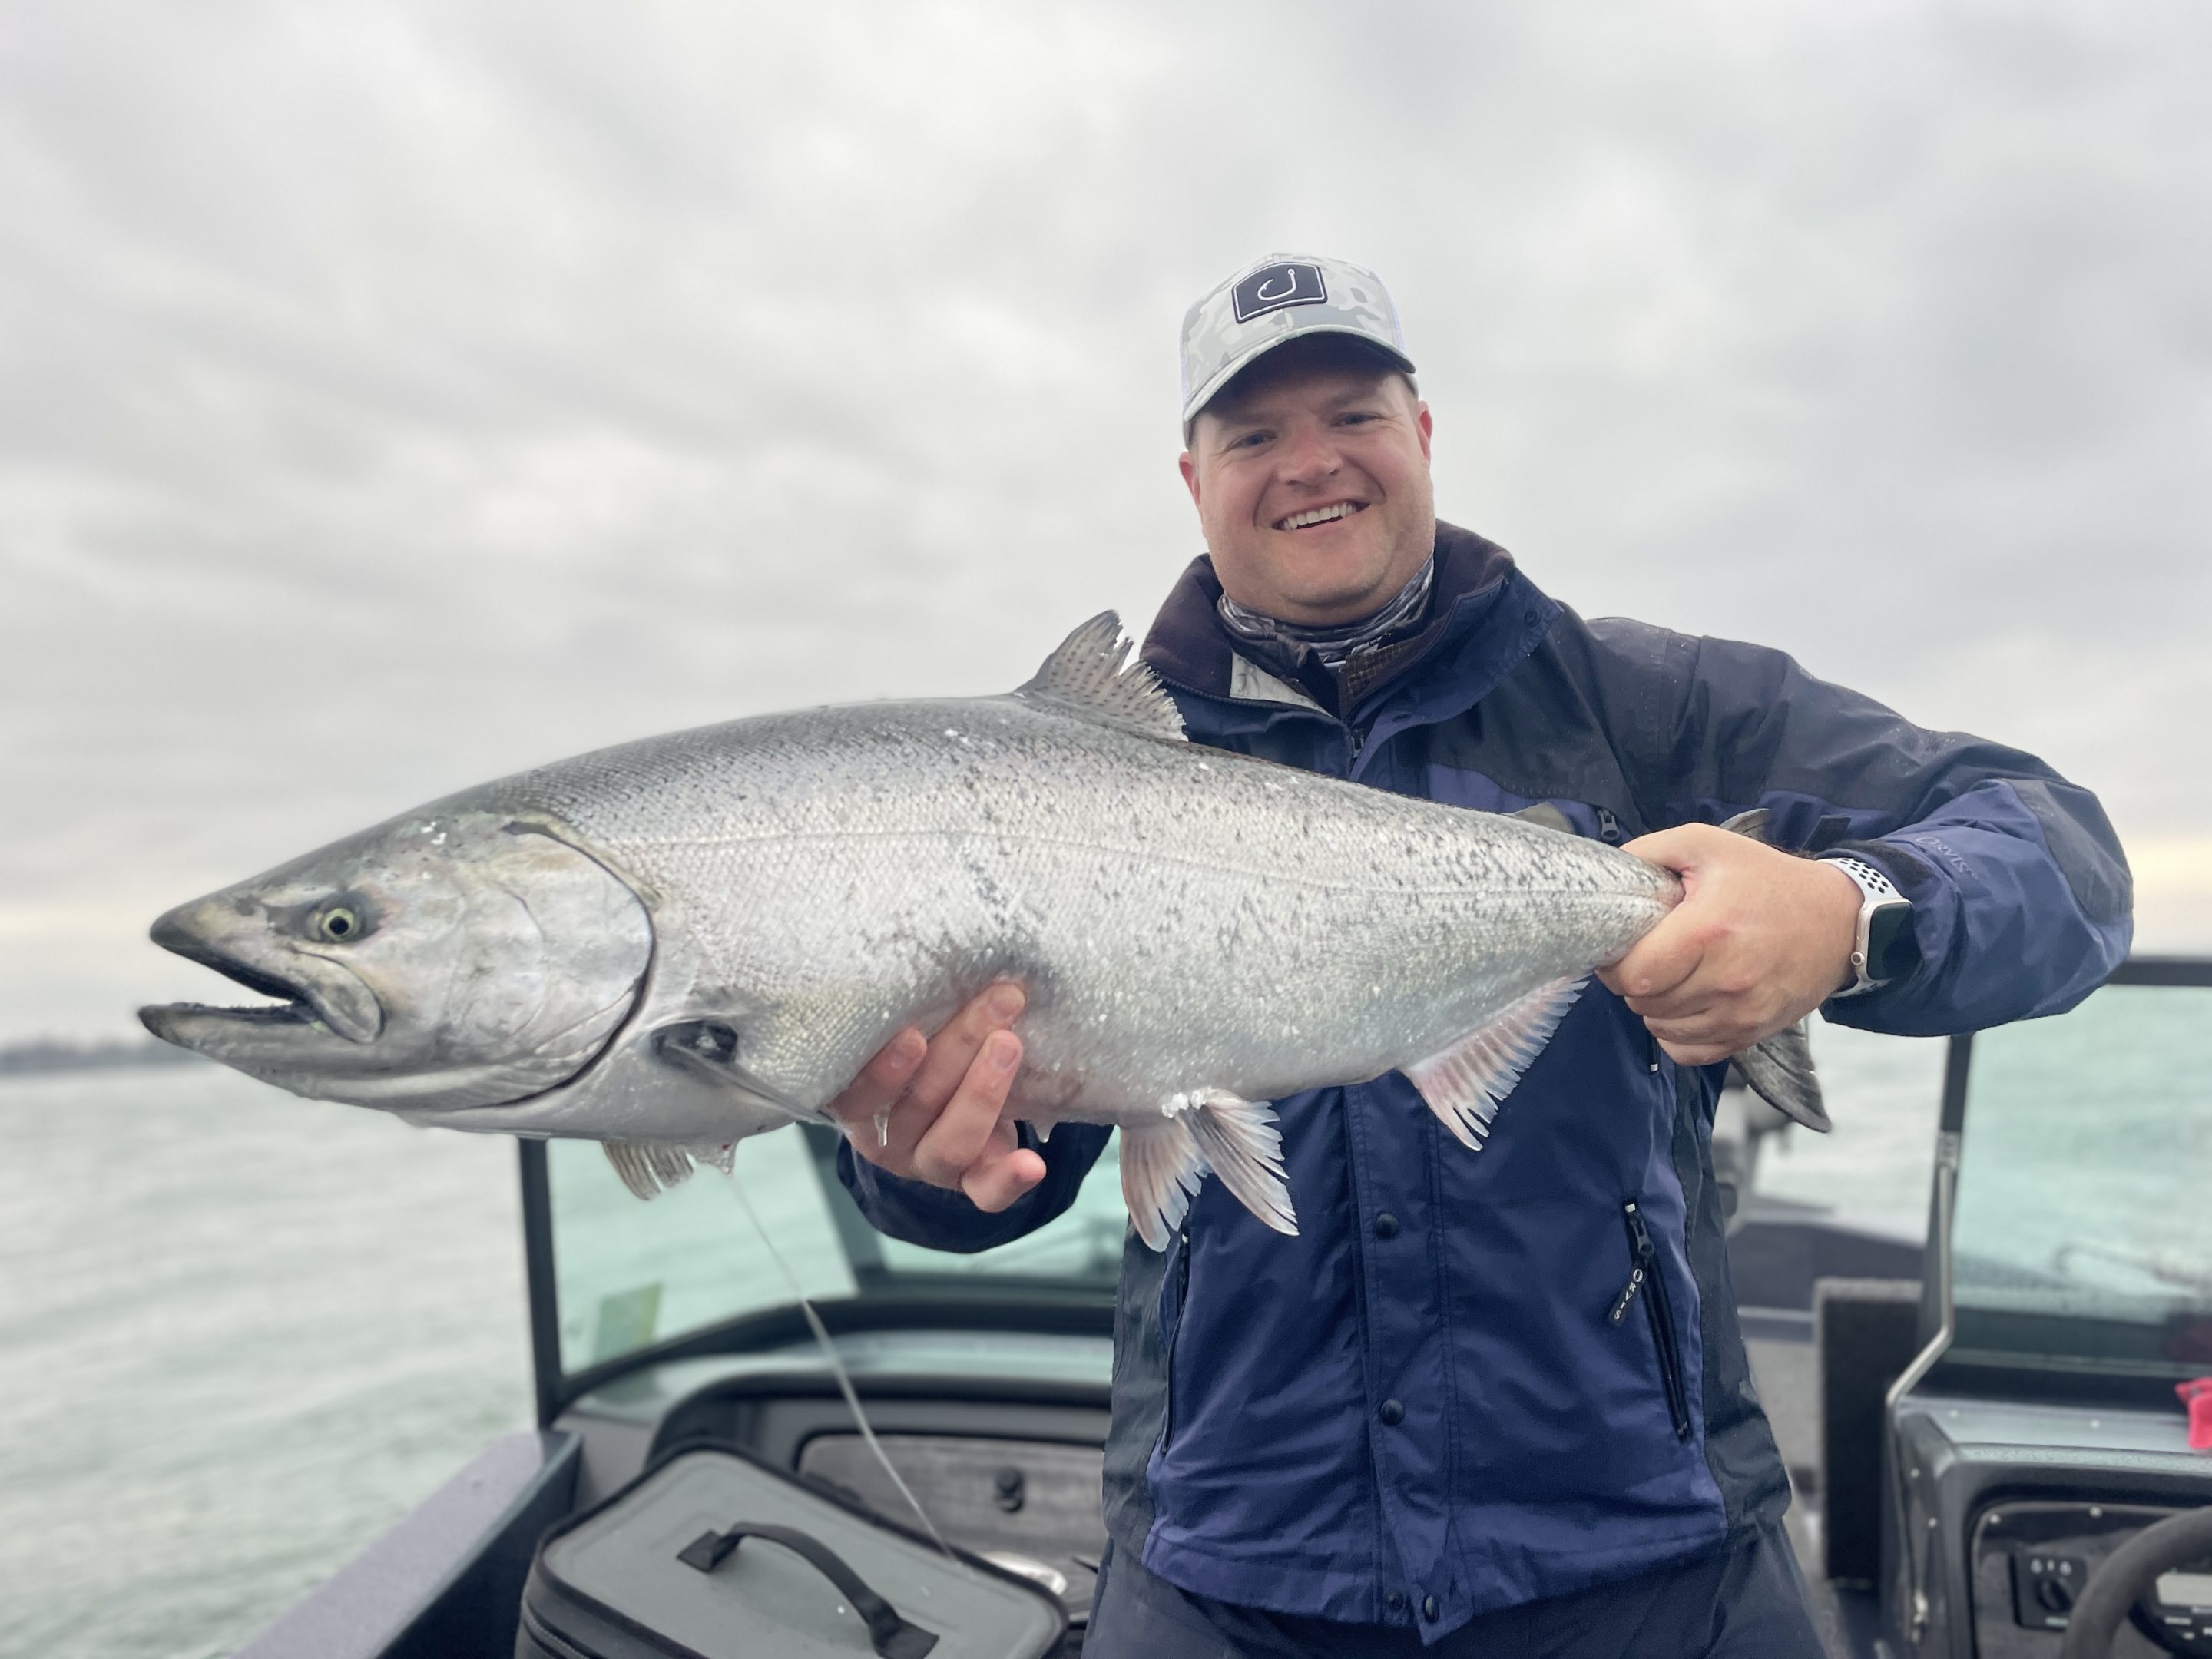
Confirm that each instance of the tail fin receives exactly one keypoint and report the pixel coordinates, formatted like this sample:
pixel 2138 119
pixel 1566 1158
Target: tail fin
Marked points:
pixel 1779 1069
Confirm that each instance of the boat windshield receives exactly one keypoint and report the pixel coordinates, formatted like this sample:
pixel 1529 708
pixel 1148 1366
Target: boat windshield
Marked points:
pixel 2083 1237
pixel 627 1276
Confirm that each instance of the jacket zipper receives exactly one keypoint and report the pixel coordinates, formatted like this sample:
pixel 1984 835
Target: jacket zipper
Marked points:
pixel 1355 744
pixel 1182 1295
pixel 1645 1279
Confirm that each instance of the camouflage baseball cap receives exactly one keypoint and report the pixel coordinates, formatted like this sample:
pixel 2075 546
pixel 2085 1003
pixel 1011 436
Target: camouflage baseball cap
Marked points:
pixel 1286 296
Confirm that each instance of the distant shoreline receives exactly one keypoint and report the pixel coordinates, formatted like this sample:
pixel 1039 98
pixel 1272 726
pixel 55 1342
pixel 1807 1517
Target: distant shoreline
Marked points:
pixel 46 1054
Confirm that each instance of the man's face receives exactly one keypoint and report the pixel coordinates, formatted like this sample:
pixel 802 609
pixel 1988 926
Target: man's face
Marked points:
pixel 1312 487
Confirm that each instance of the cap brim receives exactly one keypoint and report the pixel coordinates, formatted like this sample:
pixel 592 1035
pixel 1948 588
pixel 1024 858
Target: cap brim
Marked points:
pixel 1237 365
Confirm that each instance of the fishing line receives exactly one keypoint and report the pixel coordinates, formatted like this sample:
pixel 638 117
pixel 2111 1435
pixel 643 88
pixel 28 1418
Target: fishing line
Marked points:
pixel 837 1369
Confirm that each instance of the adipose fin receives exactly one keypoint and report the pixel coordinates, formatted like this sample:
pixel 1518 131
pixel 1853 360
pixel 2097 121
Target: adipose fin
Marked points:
pixel 1464 1085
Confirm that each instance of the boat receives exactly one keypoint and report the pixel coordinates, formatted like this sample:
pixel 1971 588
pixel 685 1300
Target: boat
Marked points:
pixel 1984 1425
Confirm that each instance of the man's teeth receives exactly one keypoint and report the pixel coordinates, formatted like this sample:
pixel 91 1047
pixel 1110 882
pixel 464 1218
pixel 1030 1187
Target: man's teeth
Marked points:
pixel 1318 515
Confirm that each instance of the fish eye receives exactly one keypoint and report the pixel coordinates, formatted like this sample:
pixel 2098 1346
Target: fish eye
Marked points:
pixel 337 924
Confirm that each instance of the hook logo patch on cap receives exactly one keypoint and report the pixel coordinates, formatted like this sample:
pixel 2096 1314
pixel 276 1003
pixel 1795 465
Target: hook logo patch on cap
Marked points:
pixel 1286 296
pixel 1273 287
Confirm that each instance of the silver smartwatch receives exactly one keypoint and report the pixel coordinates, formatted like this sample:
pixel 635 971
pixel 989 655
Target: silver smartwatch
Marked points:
pixel 1884 947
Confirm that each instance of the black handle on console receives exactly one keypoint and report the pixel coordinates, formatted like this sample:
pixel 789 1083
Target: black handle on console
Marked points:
pixel 892 1637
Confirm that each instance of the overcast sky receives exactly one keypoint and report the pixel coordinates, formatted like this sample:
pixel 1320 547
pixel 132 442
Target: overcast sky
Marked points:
pixel 394 395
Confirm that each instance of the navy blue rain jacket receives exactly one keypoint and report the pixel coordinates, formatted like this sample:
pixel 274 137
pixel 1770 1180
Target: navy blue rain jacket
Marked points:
pixel 1443 1397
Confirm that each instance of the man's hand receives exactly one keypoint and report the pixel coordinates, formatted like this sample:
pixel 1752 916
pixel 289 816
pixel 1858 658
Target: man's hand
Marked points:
pixel 944 1099
pixel 1760 940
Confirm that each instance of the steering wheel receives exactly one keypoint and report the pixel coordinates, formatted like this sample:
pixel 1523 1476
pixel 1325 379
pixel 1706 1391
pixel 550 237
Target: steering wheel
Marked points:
pixel 2128 1574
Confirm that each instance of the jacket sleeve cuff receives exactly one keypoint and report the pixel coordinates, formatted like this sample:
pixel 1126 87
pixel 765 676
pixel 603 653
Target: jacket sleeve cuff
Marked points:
pixel 939 1219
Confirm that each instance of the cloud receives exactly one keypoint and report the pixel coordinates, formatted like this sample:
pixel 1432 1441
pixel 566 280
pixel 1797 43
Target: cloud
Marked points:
pixel 391 396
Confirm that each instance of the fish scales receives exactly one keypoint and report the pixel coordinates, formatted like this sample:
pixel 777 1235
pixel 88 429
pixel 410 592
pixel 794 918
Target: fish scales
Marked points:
pixel 1180 918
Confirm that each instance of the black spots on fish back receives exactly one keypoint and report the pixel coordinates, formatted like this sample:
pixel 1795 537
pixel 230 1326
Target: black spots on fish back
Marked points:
pixel 995 898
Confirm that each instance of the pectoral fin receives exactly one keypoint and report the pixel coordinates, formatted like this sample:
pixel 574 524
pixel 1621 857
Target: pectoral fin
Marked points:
pixel 705 1048
pixel 1464 1085
pixel 709 1051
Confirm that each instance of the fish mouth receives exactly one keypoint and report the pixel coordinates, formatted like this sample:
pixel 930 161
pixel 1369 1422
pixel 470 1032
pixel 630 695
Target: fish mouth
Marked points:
pixel 325 996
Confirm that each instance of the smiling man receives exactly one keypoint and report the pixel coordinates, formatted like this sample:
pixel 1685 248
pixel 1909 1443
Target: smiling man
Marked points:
pixel 1491 1403
pixel 1312 478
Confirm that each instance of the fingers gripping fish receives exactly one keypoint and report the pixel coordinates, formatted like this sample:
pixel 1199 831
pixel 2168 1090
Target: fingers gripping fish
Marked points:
pixel 671 945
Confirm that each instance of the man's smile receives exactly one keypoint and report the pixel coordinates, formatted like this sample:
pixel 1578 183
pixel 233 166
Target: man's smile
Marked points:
pixel 1307 517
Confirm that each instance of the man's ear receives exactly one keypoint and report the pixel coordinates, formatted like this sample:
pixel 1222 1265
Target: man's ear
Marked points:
pixel 1190 473
pixel 1423 425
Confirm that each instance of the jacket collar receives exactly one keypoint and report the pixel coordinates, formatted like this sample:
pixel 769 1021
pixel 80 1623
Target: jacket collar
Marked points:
pixel 1485 617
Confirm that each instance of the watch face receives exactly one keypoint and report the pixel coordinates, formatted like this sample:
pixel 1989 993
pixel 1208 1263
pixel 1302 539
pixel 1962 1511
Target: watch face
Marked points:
pixel 1892 949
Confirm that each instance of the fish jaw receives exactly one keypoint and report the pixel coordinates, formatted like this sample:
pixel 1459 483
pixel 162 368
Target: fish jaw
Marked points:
pixel 262 1043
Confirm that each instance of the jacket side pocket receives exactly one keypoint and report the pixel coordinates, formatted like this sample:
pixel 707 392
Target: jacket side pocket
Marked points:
pixel 1178 1290
pixel 1647 1283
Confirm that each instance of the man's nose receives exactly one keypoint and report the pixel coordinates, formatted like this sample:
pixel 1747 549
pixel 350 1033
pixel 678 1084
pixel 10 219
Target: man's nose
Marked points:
pixel 1309 453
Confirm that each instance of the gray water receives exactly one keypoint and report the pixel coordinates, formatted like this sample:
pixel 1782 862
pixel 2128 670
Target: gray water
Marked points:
pixel 241 1333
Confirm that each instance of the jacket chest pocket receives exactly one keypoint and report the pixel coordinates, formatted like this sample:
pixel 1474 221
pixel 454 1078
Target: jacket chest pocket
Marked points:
pixel 1647 1283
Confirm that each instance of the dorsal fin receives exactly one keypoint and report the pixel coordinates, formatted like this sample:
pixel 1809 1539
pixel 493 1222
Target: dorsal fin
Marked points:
pixel 1093 674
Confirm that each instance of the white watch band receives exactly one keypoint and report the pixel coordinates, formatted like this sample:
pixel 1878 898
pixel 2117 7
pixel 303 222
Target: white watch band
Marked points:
pixel 1876 890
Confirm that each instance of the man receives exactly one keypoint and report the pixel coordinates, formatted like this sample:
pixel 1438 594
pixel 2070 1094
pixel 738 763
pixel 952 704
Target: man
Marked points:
pixel 1493 1403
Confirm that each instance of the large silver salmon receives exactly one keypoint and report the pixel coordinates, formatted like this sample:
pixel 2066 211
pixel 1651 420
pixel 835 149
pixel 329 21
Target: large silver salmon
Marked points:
pixel 671 945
